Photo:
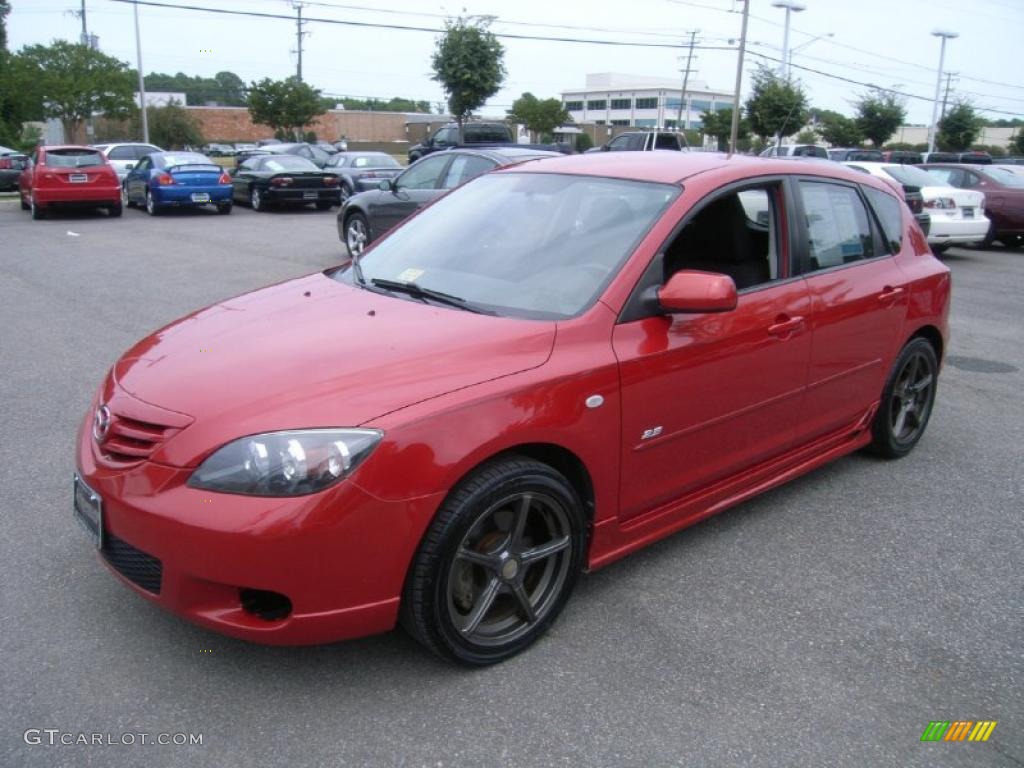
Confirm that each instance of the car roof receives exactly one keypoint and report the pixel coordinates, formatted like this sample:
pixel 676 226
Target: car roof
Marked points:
pixel 673 167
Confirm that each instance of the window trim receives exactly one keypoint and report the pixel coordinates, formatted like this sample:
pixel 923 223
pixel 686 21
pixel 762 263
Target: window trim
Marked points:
pixel 642 301
pixel 801 243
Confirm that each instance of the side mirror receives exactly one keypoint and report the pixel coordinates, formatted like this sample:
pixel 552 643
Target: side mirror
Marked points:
pixel 387 186
pixel 691 291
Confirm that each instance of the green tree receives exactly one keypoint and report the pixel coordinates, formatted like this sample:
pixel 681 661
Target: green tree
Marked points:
pixel 1017 143
pixel 719 125
pixel 879 114
pixel 807 136
pixel 583 142
pixel 5 8
pixel 959 128
pixel 838 130
pixel 224 88
pixel 540 116
pixel 468 62
pixel 71 82
pixel 775 105
pixel 171 127
pixel 284 105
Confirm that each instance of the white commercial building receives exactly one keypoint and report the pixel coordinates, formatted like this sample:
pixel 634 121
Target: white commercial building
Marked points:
pixel 612 98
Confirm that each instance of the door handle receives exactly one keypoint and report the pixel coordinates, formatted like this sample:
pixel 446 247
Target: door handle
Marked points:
pixel 784 326
pixel 890 294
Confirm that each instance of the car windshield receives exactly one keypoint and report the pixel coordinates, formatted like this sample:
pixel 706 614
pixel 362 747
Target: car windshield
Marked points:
pixel 1005 177
pixel 914 177
pixel 73 158
pixel 378 160
pixel 288 163
pixel 521 244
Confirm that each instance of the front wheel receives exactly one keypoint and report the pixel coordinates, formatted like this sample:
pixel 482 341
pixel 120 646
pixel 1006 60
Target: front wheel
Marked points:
pixel 357 234
pixel 498 563
pixel 907 401
pixel 37 210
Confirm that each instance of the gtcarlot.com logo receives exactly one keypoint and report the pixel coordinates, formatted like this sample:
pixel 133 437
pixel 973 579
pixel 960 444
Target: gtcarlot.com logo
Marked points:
pixel 55 737
pixel 958 730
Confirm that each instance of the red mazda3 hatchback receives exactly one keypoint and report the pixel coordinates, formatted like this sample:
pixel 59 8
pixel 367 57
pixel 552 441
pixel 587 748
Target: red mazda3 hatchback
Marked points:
pixel 552 366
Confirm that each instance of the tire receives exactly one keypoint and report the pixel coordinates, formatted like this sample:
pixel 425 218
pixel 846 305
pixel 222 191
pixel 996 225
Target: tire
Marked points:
pixel 224 208
pixel 357 234
pixel 125 200
pixel 151 205
pixel 937 249
pixel 38 212
pixel 346 191
pixel 471 594
pixel 1013 241
pixel 115 210
pixel 990 237
pixel 24 206
pixel 324 205
pixel 907 401
pixel 256 201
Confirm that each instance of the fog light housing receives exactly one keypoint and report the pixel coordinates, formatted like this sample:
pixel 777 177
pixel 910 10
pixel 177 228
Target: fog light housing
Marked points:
pixel 264 604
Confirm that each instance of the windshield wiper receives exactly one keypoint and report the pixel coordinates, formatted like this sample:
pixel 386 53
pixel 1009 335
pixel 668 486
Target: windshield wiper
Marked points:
pixel 419 292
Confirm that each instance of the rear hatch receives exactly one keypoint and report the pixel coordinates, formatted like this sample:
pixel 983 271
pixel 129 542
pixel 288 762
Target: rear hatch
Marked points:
pixel 74 167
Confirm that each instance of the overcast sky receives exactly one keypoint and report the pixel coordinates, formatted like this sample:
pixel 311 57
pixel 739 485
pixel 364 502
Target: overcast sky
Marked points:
pixel 887 42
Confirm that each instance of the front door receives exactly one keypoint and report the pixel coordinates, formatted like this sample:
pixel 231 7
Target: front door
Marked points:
pixel 705 396
pixel 414 188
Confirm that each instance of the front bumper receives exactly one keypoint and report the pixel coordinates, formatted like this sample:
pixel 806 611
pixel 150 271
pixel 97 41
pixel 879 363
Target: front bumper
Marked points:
pixel 339 556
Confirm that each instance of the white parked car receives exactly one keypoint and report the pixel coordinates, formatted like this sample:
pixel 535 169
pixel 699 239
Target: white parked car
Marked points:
pixel 796 150
pixel 125 155
pixel 957 215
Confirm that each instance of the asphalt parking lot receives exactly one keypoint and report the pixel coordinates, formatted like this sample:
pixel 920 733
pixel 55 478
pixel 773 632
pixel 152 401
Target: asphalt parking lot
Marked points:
pixel 823 624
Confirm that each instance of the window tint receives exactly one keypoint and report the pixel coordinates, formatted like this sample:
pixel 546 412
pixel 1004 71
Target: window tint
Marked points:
pixel 838 231
pixel 446 136
pixel 250 164
pixel 464 168
pixel 734 234
pixel 144 149
pixel 122 153
pixel 890 213
pixel 423 175
pixel 73 158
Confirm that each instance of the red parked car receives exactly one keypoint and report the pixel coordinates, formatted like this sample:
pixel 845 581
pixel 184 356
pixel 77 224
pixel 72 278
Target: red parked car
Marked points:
pixel 550 367
pixel 69 176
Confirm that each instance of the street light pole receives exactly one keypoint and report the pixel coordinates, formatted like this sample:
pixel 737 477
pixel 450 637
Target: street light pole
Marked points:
pixel 735 128
pixel 142 80
pixel 933 126
pixel 791 6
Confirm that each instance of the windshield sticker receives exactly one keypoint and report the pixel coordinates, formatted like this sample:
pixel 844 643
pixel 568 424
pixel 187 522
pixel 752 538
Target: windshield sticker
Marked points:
pixel 410 275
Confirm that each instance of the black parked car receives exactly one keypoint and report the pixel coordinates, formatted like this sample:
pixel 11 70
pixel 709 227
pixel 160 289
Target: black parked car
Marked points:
pixel 315 155
pixel 268 180
pixel 362 171
pixel 11 166
pixel 840 154
pixel 365 217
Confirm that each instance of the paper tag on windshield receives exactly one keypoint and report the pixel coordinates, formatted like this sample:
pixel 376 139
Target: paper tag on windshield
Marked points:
pixel 410 275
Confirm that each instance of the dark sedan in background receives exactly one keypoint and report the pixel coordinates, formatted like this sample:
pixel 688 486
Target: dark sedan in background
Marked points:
pixel 365 217
pixel 314 154
pixel 284 180
pixel 1004 198
pixel 362 171
pixel 11 166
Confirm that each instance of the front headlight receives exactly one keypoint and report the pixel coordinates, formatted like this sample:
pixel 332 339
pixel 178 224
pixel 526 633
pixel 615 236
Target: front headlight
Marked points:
pixel 289 463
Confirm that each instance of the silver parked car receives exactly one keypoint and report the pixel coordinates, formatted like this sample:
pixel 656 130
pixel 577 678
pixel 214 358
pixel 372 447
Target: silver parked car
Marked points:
pixel 125 155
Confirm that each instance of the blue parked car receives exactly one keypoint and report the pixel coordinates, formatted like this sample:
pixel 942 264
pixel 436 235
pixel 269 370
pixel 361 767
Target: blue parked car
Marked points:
pixel 165 179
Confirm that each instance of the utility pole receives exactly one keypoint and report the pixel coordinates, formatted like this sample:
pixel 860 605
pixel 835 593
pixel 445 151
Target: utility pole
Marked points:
pixel 734 132
pixel 85 29
pixel 686 77
pixel 298 38
pixel 945 96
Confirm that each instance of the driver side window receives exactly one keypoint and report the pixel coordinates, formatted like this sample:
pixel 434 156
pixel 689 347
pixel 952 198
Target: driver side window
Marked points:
pixel 424 174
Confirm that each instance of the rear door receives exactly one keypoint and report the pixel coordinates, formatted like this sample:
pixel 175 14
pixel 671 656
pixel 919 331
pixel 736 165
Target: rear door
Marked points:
pixel 859 298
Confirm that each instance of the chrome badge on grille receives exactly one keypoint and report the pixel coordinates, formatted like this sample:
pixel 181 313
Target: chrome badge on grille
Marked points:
pixel 101 423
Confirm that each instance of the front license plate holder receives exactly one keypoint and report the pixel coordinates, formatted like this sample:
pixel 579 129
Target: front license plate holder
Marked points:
pixel 200 197
pixel 88 508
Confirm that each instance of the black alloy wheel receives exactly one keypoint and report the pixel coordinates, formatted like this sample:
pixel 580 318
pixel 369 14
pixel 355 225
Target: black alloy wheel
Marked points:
pixel 907 400
pixel 498 563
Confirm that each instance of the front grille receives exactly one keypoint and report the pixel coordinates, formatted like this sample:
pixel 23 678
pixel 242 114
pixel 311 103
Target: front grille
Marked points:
pixel 130 441
pixel 140 568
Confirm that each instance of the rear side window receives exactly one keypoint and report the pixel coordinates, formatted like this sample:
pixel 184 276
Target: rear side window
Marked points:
pixel 464 168
pixel 838 229
pixel 890 215
pixel 667 141
pixel 810 151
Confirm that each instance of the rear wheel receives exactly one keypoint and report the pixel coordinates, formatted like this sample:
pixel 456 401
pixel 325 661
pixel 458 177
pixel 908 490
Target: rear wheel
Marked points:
pixel 498 563
pixel 256 199
pixel 357 234
pixel 907 400
pixel 151 205
pixel 115 210
pixel 224 208
pixel 24 206
pixel 941 248
pixel 323 205
pixel 990 237
pixel 37 210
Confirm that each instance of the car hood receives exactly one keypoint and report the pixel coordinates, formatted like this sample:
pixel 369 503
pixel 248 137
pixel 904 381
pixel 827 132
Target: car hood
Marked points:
pixel 314 352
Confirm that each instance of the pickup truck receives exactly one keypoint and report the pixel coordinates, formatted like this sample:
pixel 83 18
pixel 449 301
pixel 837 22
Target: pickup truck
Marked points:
pixel 476 135
pixel 643 141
